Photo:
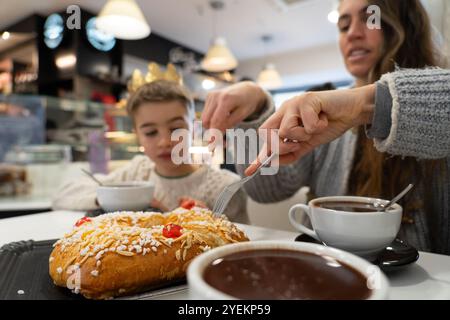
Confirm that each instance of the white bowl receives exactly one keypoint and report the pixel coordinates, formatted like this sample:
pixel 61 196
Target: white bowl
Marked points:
pixel 201 290
pixel 125 196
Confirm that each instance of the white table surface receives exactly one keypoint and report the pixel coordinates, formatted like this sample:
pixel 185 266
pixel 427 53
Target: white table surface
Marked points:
pixel 429 278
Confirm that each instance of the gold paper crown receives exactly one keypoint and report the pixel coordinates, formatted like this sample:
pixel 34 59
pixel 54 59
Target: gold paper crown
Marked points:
pixel 154 73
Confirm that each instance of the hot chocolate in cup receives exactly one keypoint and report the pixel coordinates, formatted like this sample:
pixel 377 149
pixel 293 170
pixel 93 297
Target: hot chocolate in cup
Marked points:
pixel 279 270
pixel 350 223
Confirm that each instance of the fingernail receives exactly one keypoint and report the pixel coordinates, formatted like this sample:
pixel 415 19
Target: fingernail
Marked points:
pixel 286 140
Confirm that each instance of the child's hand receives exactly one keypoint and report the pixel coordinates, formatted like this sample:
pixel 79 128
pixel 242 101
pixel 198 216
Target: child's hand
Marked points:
pixel 156 204
pixel 189 203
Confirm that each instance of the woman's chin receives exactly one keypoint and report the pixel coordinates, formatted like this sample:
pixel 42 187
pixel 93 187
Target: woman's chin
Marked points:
pixel 359 72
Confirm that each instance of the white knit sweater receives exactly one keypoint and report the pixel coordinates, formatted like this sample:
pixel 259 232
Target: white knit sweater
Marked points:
pixel 205 184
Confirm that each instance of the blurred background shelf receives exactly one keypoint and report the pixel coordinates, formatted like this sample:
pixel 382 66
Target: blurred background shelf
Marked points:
pixel 58 121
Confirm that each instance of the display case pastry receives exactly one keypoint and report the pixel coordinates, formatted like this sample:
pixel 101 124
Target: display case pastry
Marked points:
pixel 121 253
pixel 13 180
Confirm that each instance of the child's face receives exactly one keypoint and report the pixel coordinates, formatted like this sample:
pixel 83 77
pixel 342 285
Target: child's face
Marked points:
pixel 154 124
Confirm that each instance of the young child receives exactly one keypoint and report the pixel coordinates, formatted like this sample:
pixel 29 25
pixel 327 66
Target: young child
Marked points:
pixel 157 109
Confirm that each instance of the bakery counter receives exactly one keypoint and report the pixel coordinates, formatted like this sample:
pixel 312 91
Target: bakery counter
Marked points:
pixel 27 189
pixel 24 204
pixel 44 180
pixel 428 278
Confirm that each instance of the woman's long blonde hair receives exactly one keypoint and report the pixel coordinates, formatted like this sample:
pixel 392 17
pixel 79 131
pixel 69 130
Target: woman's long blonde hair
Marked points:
pixel 407 44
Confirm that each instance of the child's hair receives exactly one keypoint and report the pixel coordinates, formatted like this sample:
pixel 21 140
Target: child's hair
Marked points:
pixel 160 91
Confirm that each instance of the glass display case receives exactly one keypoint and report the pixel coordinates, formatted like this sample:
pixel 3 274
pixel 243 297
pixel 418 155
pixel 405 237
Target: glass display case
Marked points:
pixel 67 122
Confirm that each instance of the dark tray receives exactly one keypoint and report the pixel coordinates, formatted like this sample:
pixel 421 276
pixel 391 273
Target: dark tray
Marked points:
pixel 24 267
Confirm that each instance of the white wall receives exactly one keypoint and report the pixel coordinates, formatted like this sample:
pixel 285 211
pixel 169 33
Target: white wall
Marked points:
pixel 305 67
pixel 435 11
pixel 439 12
pixel 446 30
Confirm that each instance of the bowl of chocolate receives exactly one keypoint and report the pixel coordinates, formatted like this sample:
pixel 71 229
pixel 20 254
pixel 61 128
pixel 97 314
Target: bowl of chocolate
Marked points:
pixel 283 270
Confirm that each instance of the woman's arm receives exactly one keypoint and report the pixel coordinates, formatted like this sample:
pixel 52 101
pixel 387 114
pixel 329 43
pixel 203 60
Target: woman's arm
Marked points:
pixel 288 180
pixel 416 104
pixel 257 106
pixel 419 118
pixel 266 189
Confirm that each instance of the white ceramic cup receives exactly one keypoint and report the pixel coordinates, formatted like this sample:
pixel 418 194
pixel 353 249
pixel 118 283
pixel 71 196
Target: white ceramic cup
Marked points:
pixel 199 289
pixel 363 233
pixel 125 196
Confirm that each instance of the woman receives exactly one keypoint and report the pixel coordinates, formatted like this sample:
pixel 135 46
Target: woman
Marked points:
pixel 351 165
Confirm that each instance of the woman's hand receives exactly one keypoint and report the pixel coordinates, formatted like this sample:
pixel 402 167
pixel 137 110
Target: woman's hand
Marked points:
pixel 310 120
pixel 226 108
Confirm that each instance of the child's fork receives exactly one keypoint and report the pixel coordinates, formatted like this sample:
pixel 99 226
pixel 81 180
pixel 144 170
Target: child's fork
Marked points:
pixel 228 192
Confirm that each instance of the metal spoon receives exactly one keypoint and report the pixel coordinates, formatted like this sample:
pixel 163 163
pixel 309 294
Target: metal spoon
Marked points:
pixel 92 177
pixel 381 207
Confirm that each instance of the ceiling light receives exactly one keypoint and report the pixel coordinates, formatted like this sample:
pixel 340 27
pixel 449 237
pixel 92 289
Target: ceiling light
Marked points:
pixel 333 16
pixel 269 78
pixel 208 84
pixel 219 58
pixel 66 61
pixel 124 20
pixel 6 35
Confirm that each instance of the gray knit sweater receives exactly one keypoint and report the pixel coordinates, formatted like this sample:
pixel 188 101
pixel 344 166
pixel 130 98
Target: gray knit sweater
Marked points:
pixel 412 118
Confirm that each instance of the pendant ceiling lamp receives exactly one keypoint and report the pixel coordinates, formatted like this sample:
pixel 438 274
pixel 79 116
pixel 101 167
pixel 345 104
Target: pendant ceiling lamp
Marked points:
pixel 124 20
pixel 269 78
pixel 219 58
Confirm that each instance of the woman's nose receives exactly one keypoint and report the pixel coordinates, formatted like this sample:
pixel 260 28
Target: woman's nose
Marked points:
pixel 357 30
